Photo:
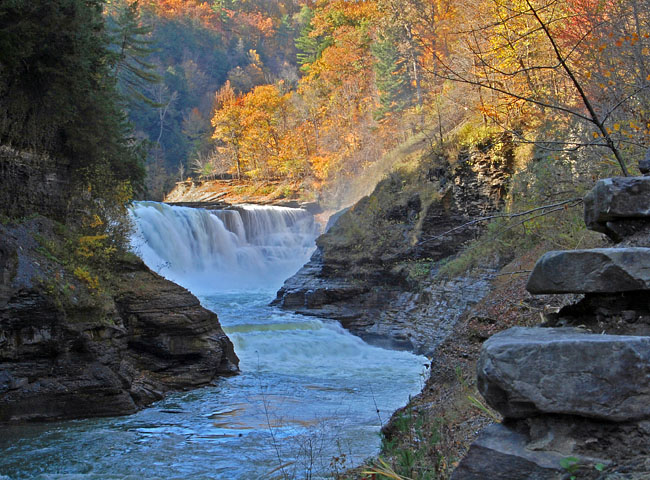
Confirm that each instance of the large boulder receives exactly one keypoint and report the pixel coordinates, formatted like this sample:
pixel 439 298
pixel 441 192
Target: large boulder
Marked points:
pixel 599 270
pixel 527 371
pixel 618 206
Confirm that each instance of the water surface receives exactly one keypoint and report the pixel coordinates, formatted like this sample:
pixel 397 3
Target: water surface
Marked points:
pixel 308 393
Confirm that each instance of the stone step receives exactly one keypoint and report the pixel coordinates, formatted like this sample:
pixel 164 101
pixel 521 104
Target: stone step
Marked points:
pixel 618 206
pixel 527 371
pixel 599 270
pixel 501 453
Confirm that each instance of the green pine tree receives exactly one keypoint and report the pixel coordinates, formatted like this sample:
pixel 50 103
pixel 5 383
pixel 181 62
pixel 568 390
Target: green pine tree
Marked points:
pixel 131 45
pixel 396 92
pixel 310 47
pixel 57 92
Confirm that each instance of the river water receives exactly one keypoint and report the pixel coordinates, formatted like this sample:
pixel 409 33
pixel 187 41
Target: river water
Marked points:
pixel 309 401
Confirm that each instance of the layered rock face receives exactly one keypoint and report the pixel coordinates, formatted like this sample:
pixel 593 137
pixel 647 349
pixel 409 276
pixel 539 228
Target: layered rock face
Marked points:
pixel 34 183
pixel 360 273
pixel 70 351
pixel 577 399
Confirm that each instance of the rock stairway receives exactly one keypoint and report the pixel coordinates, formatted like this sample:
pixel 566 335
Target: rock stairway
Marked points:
pixel 575 393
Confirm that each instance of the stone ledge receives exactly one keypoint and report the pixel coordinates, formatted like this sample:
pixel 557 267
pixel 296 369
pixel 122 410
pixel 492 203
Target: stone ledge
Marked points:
pixel 599 270
pixel 500 453
pixel 616 201
pixel 527 371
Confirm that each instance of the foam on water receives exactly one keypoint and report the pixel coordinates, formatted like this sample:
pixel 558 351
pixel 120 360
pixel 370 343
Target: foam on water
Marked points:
pixel 246 247
pixel 308 389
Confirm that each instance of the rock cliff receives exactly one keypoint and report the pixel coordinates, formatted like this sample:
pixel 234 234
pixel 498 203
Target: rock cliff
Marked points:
pixel 372 267
pixel 575 395
pixel 71 349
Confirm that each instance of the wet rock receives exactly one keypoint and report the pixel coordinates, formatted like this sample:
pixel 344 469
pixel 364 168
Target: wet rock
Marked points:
pixel 618 206
pixel 527 371
pixel 599 270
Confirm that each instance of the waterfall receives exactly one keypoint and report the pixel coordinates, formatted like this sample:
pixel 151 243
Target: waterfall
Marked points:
pixel 248 246
pixel 308 390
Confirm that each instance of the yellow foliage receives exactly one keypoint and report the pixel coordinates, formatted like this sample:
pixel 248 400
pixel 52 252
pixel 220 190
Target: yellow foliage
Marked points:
pixel 95 247
pixel 91 281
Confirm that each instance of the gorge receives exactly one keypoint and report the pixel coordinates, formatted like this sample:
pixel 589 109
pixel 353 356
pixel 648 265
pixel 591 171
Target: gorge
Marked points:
pixel 308 390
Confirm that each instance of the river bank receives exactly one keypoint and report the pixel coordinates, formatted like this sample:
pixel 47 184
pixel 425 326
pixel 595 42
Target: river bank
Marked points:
pixel 308 391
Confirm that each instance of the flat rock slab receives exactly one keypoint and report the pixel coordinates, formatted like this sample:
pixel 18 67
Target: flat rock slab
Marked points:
pixel 617 199
pixel 527 371
pixel 501 454
pixel 599 270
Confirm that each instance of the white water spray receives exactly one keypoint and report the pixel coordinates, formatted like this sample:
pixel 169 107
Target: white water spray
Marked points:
pixel 308 391
pixel 248 246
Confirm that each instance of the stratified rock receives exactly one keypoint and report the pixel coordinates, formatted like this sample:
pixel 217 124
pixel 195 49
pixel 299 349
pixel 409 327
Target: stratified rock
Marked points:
pixel 384 316
pixel 309 292
pixel 69 354
pixel 501 454
pixel 618 206
pixel 373 266
pixel 35 183
pixel 599 270
pixel 526 371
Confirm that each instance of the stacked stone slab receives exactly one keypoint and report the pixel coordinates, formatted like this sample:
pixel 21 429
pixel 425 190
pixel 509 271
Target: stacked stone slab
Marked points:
pixel 577 398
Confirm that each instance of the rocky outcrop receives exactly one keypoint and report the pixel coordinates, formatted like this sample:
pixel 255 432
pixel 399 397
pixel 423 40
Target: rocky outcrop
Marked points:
pixel 617 206
pixel 499 453
pixel 527 371
pixel 34 183
pixel 219 194
pixel 598 270
pixel 366 272
pixel 68 351
pixel 392 318
pixel 583 395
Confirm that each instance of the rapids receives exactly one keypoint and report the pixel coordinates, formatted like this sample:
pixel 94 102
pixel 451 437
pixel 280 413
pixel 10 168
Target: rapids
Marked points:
pixel 309 401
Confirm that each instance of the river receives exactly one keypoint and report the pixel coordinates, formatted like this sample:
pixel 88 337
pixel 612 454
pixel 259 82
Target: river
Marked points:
pixel 309 401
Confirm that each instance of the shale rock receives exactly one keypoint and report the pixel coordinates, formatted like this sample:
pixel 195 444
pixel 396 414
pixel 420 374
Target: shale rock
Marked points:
pixel 599 270
pixel 501 454
pixel 374 267
pixel 618 206
pixel 69 353
pixel 527 371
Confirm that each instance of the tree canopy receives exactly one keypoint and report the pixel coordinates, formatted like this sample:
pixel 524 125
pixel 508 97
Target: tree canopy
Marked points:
pixel 57 91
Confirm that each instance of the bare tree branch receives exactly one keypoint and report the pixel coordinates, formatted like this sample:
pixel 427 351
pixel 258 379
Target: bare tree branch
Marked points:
pixel 554 206
pixel 592 112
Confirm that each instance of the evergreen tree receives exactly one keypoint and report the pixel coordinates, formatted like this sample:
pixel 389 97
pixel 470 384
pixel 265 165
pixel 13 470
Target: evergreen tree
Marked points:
pixel 311 47
pixel 129 38
pixel 396 92
pixel 57 94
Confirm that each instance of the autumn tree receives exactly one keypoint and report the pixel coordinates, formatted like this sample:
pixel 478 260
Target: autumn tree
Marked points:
pixel 228 125
pixel 531 57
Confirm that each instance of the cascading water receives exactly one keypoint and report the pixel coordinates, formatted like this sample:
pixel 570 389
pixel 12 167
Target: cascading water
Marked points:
pixel 308 391
pixel 211 250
